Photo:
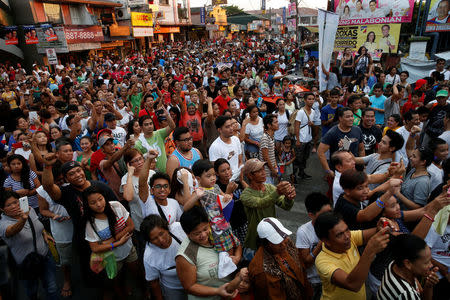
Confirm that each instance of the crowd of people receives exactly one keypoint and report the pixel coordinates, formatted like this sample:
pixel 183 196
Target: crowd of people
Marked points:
pixel 166 170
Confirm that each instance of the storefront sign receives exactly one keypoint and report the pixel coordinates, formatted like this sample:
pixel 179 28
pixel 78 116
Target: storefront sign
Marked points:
pixel 141 19
pixel 212 27
pixel 60 45
pixel 153 7
pixel 80 34
pixel 51 56
pixel 167 30
pixel 132 3
pixel 84 46
pixel 115 30
pixel 354 12
pixel 438 16
pixel 377 38
pixel 234 27
pixel 219 2
pixel 142 31
pixel 112 44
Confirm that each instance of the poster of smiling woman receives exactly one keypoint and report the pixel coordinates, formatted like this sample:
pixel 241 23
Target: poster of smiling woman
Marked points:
pixel 438 16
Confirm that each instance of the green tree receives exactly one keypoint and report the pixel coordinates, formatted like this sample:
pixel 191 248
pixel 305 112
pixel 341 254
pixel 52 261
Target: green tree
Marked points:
pixel 233 10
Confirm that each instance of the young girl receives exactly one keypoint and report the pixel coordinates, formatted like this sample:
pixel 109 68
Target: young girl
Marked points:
pixel 286 159
pixel 39 147
pixel 84 157
pixel 182 185
pixel 109 228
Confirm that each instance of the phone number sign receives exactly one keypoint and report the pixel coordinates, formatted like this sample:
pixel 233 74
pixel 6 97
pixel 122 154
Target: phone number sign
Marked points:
pixel 80 34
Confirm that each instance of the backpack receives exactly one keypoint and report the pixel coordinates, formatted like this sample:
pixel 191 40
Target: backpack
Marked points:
pixel 291 124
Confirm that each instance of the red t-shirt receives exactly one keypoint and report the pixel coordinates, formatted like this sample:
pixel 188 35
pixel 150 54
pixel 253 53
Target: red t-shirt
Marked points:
pixel 409 106
pixel 223 102
pixel 96 158
pixel 194 124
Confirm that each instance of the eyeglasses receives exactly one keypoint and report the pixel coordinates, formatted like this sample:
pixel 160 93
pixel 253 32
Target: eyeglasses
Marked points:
pixel 161 186
pixel 137 160
pixel 187 139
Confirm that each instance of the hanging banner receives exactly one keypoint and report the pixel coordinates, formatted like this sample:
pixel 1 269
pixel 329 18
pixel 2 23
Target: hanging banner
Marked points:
pixel 328 23
pixel 60 45
pixel 30 34
pixel 51 56
pixel 438 16
pixel 284 15
pixel 10 35
pixel 377 38
pixel 80 34
pixel 141 19
pixel 291 24
pixel 49 32
pixel 292 9
pixel 358 12
pixel 202 15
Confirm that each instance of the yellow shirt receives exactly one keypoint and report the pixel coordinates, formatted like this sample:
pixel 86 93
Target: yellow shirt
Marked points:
pixel 383 44
pixel 327 262
pixel 10 97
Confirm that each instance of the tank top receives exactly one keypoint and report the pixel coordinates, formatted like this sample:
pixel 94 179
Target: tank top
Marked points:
pixel 184 162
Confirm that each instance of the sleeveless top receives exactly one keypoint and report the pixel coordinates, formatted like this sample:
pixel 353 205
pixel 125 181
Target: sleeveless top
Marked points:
pixel 184 162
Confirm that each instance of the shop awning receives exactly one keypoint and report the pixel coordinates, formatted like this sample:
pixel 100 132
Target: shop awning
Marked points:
pixel 244 18
pixel 98 3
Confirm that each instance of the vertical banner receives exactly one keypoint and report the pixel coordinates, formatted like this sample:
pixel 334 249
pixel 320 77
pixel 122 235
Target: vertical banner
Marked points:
pixel 49 32
pixel 292 9
pixel 284 15
pixel 292 24
pixel 10 35
pixel 202 15
pixel 30 34
pixel 263 4
pixel 328 23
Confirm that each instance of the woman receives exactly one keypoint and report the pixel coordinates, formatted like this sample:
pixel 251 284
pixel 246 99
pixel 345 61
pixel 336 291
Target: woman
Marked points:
pixel 24 234
pixel 394 122
pixel 22 180
pixel 276 271
pixel 84 156
pixel 55 133
pixel 283 123
pixel 182 185
pixel 392 77
pixel 370 43
pixel 133 129
pixel 362 61
pixel 439 147
pixel 159 257
pixel 252 130
pixel 347 66
pixel 289 102
pixel 39 147
pixel 197 262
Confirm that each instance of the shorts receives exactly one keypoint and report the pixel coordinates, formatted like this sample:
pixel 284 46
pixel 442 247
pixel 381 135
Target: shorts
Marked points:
pixel 65 253
pixel 132 257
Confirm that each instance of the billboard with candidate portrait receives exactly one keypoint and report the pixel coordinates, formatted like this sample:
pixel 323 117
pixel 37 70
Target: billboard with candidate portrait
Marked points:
pixel 362 12
pixel 10 35
pixel 438 16
pixel 377 38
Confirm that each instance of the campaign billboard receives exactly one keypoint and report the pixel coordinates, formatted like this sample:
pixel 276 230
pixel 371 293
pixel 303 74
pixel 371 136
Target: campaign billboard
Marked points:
pixel 438 16
pixel 362 12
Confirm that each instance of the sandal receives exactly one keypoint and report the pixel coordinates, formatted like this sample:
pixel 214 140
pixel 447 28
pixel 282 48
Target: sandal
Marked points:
pixel 66 292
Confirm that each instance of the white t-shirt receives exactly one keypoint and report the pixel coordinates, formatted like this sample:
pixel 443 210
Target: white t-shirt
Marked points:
pixel 135 206
pixel 440 246
pixel 230 152
pixel 337 189
pixel 119 134
pixel 445 72
pixel 307 239
pixel 437 176
pixel 125 116
pixel 255 132
pixel 160 263
pixel 172 210
pixel 283 123
pixel 62 232
pixel 402 152
pixel 316 108
pixel 305 130
pixel 102 228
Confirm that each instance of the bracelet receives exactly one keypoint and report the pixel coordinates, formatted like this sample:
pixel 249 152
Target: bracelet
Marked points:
pixel 428 217
pixel 380 203
pixel 112 246
pixel 313 256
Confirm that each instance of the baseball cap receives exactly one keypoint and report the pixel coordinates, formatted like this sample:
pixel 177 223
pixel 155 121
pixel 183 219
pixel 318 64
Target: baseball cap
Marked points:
pixel 110 117
pixel 272 230
pixel 66 167
pixel 442 93
pixel 107 130
pixel 253 165
pixel 103 140
pixel 420 83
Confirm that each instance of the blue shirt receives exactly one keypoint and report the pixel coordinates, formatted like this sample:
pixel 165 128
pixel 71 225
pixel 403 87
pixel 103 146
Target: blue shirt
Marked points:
pixel 327 113
pixel 378 103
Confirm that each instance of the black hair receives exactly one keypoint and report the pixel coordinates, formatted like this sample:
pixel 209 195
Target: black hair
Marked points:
pixel 220 162
pixel 412 243
pixel 305 95
pixel 340 112
pixel 374 36
pixel 422 110
pixel 62 141
pixel 325 222
pixel 363 113
pixel 416 93
pixel 130 126
pixel 151 222
pixel 352 99
pixel 159 175
pixel 434 143
pixel 378 86
pixel 90 215
pixel 350 179
pixel 221 120
pixel 427 155
pixel 335 92
pixel 396 139
pixel 178 132
pixel 176 186
pixel 6 195
pixel 315 201
pixel 403 72
pixel 190 219
pixel 268 120
pixel 397 118
pixel 287 138
pixel 201 166
pixel 145 118
pixel 408 116
pixel 25 172
pixel 335 158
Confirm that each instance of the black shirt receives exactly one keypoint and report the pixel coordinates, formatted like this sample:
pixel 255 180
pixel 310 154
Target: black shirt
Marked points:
pixel 371 137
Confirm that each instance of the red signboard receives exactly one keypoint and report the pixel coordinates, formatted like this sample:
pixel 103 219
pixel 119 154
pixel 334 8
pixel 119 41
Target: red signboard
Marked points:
pixel 80 34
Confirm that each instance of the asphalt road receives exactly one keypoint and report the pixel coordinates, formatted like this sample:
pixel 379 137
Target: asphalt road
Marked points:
pixel 290 219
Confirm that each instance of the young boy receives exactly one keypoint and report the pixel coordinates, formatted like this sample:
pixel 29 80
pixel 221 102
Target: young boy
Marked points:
pixel 377 101
pixel 308 243
pixel 327 112
pixel 303 134
pixel 354 102
pixel 213 200
pixel 414 103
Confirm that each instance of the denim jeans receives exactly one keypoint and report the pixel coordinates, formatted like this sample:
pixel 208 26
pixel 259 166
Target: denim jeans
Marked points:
pixel 48 281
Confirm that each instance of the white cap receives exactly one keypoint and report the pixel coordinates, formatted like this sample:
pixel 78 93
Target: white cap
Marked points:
pixel 272 230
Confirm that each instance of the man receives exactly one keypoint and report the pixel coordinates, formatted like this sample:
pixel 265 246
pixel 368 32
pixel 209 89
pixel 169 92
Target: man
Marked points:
pixel 223 99
pixel 440 67
pixel 411 119
pixel 212 89
pixel 342 160
pixel 387 42
pixel 267 148
pixel 435 126
pixel 328 111
pixel 343 136
pixel 412 264
pixel 303 134
pixel 184 155
pixel 377 100
pixel 371 133
pixel 342 270
pixel 248 81
pixel 118 133
pixel 150 139
pixel 227 145
pixel 259 200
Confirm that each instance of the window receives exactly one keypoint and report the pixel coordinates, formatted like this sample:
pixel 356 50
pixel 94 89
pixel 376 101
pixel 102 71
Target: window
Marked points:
pixel 304 20
pixel 314 20
pixel 53 13
pixel 164 2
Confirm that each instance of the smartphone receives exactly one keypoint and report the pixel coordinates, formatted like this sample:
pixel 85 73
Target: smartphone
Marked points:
pixel 23 202
pixel 32 115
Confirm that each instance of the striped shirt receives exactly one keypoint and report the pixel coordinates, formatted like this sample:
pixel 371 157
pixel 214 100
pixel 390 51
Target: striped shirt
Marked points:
pixel 394 287
pixel 268 142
